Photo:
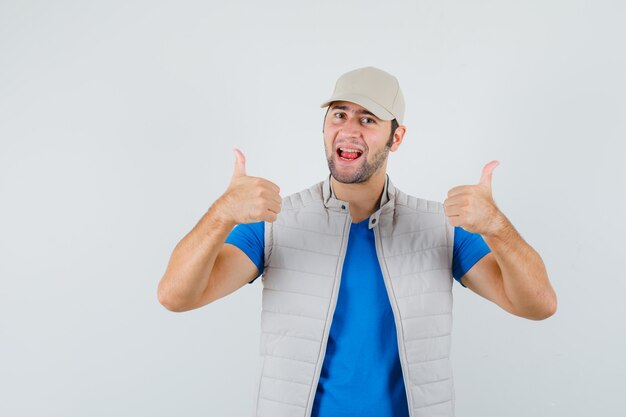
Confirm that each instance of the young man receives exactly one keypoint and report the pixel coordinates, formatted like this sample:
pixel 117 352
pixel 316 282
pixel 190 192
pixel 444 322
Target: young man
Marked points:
pixel 357 275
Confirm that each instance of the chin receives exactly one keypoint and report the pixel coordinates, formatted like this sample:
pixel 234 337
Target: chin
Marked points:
pixel 350 175
pixel 353 178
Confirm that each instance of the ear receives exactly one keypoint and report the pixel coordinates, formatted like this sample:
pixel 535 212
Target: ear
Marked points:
pixel 398 136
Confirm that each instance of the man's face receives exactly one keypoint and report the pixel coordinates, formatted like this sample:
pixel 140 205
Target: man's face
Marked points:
pixel 349 127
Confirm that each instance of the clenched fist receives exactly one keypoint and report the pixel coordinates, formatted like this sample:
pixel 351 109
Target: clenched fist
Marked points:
pixel 472 206
pixel 249 199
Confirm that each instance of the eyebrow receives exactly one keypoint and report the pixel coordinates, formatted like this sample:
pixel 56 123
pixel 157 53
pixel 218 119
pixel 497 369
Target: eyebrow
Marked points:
pixel 342 107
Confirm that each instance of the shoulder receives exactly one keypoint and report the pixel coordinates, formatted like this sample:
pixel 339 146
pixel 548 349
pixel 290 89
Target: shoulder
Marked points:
pixel 409 203
pixel 416 214
pixel 303 198
pixel 422 215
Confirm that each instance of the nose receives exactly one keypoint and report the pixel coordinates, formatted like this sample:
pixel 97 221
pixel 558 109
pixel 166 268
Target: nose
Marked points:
pixel 351 127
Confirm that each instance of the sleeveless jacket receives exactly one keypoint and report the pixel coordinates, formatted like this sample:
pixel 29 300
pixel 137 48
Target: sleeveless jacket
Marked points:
pixel 304 253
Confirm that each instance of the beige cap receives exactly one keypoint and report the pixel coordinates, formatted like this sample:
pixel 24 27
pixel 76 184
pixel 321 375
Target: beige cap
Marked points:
pixel 376 90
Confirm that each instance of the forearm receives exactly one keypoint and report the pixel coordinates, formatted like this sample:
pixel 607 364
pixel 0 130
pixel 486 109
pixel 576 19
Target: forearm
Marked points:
pixel 187 274
pixel 524 275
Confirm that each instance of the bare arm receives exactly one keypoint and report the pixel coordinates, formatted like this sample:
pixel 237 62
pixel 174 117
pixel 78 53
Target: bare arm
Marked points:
pixel 513 275
pixel 202 267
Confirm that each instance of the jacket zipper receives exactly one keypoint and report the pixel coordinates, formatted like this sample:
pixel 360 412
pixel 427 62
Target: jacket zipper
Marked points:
pixel 333 304
pixel 394 306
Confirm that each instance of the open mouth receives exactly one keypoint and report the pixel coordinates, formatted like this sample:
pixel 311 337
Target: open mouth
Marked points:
pixel 349 154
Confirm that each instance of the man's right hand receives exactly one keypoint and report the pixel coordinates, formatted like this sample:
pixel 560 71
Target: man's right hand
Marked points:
pixel 249 199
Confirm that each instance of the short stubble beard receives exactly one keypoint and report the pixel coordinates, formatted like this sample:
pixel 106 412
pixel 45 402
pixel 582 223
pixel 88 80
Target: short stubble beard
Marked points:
pixel 365 171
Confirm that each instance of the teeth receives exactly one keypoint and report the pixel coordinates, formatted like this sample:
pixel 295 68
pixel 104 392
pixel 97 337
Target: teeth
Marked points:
pixel 350 150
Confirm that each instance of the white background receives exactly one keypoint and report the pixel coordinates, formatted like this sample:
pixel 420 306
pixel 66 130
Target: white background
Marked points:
pixel 117 123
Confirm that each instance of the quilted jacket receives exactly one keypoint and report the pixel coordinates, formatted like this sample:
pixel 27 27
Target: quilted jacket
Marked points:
pixel 304 253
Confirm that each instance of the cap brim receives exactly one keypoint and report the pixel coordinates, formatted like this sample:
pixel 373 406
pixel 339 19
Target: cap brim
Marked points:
pixel 378 110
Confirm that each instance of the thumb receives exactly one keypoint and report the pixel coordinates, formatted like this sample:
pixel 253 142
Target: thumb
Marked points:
pixel 485 177
pixel 240 164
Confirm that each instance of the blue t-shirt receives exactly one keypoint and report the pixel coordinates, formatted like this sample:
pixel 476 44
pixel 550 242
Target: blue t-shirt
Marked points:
pixel 361 374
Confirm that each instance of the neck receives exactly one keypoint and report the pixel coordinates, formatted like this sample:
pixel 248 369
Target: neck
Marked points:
pixel 364 197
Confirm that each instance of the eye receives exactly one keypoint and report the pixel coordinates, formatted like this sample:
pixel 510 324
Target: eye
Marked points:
pixel 370 120
pixel 338 115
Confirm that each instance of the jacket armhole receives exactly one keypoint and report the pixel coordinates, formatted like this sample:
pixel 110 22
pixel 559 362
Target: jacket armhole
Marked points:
pixel 268 244
pixel 450 244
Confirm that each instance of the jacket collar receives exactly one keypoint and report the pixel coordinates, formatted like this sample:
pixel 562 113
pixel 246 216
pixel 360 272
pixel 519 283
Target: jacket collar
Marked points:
pixel 386 201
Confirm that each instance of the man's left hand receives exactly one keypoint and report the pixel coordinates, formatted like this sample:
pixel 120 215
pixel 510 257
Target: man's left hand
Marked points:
pixel 472 207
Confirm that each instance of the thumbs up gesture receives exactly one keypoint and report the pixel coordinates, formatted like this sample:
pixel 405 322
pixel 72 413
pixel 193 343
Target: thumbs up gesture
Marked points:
pixel 249 199
pixel 472 207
